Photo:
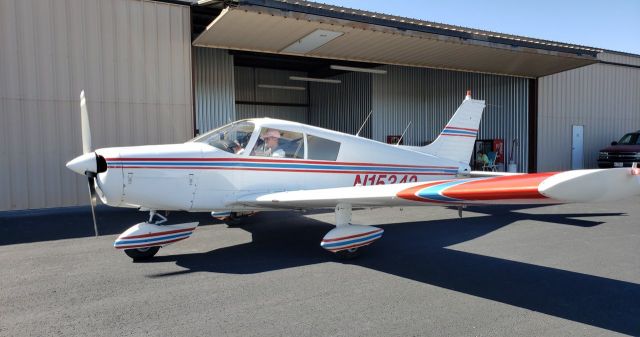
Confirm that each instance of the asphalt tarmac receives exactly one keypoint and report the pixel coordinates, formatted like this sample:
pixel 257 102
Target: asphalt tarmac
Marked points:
pixel 570 270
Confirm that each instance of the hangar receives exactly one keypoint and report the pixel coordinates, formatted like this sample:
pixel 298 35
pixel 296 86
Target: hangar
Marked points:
pixel 163 71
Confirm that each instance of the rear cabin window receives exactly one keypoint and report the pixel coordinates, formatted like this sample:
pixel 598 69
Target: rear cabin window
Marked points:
pixel 321 148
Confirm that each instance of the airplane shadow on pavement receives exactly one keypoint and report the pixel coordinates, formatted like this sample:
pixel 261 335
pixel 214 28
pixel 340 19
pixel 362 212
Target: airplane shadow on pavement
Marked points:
pixel 417 251
pixel 414 250
pixel 75 222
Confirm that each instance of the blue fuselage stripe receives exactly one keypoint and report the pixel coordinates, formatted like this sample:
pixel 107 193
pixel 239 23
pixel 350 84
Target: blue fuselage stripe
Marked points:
pixel 286 166
pixel 459 132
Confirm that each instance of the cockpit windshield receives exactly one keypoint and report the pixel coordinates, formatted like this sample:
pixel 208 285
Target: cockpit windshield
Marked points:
pixel 232 138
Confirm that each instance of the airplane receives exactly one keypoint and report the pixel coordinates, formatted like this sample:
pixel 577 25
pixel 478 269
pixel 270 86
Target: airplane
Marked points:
pixel 265 164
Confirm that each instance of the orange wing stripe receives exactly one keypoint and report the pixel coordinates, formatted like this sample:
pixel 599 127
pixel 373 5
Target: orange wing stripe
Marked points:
pixel 511 187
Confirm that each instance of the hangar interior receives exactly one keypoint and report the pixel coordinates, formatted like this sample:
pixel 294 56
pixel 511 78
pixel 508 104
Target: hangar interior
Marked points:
pixel 230 86
pixel 245 53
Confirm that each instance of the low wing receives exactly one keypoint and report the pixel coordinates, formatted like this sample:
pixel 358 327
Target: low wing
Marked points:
pixel 546 188
pixel 357 196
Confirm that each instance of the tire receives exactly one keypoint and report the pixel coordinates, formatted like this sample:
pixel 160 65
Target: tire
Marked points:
pixel 141 254
pixel 234 220
pixel 349 254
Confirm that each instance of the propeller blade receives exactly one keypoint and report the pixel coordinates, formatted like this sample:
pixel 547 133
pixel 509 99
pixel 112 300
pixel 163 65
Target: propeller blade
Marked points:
pixel 89 162
pixel 84 123
pixel 92 200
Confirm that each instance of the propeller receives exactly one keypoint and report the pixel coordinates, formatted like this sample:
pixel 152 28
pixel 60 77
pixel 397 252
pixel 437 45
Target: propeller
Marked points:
pixel 89 163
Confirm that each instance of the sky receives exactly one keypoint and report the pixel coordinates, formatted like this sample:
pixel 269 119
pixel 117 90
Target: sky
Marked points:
pixel 608 24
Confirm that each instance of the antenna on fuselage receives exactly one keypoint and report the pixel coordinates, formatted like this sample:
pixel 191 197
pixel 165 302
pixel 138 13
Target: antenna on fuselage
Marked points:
pixel 364 123
pixel 403 132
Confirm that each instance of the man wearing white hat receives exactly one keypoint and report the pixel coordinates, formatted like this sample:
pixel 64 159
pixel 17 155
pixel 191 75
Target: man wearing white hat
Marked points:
pixel 271 138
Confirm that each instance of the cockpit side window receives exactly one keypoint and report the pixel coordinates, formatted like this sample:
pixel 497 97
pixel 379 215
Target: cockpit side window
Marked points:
pixel 321 148
pixel 232 138
pixel 279 144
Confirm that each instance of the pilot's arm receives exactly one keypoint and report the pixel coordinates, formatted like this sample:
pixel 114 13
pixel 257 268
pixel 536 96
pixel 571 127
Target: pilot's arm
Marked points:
pixel 279 153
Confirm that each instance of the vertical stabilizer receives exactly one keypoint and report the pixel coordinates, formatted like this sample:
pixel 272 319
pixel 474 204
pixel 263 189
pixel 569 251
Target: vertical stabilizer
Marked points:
pixel 457 139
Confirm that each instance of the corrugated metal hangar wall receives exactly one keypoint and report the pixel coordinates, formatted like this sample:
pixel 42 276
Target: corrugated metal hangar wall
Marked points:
pixel 213 86
pixel 133 59
pixel 604 98
pixel 225 93
pixel 253 101
pixel 425 97
pixel 343 107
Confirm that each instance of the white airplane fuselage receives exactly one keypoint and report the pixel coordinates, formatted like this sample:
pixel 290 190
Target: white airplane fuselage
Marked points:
pixel 197 177
pixel 269 164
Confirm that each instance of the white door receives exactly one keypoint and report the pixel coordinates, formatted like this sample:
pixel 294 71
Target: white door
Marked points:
pixel 577 150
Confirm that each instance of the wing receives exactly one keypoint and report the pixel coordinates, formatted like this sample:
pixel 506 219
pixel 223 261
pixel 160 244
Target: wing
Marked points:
pixel 546 188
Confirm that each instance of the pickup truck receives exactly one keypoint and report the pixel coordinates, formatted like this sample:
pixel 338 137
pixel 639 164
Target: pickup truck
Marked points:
pixel 622 153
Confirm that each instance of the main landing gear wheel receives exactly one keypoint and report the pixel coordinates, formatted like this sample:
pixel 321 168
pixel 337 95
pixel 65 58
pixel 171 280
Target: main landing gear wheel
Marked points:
pixel 347 241
pixel 233 220
pixel 141 254
pixel 237 219
pixel 349 254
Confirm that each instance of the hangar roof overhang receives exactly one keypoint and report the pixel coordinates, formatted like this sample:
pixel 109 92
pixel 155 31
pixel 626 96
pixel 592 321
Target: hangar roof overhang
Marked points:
pixel 316 30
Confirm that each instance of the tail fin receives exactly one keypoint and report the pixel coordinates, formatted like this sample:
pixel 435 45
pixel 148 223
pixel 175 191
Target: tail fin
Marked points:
pixel 457 139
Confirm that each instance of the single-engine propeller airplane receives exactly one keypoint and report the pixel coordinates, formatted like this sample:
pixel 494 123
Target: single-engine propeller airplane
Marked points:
pixel 268 164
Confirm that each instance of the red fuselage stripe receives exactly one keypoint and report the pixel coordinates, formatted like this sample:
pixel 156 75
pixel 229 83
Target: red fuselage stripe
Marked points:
pixel 283 170
pixel 276 161
pixel 452 135
pixel 457 128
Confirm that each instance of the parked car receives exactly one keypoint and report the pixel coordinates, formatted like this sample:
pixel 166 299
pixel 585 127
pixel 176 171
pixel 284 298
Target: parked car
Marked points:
pixel 621 153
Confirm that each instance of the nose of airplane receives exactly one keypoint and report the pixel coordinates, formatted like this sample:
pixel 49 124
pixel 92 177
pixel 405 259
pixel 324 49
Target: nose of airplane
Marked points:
pixel 85 163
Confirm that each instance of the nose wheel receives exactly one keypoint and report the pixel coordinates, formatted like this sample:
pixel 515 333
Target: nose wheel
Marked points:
pixel 143 241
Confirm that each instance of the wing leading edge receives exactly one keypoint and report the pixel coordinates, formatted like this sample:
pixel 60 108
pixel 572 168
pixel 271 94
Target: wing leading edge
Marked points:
pixel 546 188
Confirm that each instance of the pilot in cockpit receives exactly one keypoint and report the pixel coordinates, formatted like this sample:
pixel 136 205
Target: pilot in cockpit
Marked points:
pixel 271 144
